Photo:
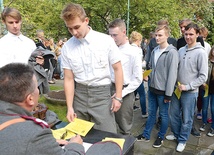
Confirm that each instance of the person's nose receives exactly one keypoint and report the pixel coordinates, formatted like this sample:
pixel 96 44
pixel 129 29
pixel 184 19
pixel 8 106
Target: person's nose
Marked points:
pixel 14 24
pixel 74 32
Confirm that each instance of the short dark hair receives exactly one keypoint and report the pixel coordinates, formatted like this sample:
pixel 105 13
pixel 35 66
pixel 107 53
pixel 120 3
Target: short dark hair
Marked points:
pixel 192 26
pixel 186 20
pixel 163 22
pixel 16 82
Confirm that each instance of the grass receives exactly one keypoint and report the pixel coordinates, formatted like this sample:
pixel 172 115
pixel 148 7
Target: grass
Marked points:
pixel 59 109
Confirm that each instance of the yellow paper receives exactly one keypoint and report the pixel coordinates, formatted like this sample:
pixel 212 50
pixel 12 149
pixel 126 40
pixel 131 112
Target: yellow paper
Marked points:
pixel 177 91
pixel 62 134
pixel 79 126
pixel 206 90
pixel 119 141
pixel 146 73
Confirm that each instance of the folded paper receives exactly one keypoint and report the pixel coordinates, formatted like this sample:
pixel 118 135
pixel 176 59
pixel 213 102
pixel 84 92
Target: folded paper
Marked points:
pixel 119 141
pixel 206 87
pixel 177 91
pixel 146 73
pixel 78 126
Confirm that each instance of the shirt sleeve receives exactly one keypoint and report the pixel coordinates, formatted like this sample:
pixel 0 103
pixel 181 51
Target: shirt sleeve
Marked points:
pixel 136 78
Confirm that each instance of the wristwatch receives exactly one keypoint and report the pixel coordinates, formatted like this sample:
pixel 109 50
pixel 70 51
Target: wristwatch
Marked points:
pixel 119 99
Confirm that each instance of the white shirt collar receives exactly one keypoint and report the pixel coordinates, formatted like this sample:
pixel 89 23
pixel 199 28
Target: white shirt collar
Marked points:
pixel 16 36
pixel 124 45
pixel 89 36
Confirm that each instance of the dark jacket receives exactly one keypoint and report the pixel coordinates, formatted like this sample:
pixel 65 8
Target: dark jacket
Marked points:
pixel 40 72
pixel 182 42
pixel 29 138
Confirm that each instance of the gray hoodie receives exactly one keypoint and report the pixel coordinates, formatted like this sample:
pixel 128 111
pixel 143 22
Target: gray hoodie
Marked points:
pixel 164 73
pixel 193 67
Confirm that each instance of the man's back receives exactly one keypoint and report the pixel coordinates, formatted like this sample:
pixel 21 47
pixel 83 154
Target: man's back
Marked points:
pixel 28 137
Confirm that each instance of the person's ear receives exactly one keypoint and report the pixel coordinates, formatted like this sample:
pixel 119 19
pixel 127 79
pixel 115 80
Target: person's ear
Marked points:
pixel 29 100
pixel 87 20
pixel 124 31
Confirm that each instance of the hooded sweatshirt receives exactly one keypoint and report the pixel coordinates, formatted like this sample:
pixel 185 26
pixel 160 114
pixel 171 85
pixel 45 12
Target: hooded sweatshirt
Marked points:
pixel 193 67
pixel 164 73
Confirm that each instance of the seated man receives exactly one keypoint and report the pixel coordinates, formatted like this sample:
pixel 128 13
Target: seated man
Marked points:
pixel 20 132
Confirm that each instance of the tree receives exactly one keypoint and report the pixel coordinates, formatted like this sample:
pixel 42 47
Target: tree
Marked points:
pixel 144 14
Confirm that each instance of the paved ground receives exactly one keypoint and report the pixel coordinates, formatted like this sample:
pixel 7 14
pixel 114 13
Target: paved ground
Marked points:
pixel 195 146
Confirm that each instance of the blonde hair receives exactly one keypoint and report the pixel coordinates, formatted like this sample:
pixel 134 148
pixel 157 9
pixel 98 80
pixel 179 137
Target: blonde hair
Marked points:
pixel 118 23
pixel 11 12
pixel 204 32
pixel 163 22
pixel 163 27
pixel 71 11
pixel 135 36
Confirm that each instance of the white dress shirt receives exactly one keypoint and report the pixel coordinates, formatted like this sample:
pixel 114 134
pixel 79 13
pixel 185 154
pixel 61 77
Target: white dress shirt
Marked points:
pixel 90 58
pixel 132 68
pixel 15 49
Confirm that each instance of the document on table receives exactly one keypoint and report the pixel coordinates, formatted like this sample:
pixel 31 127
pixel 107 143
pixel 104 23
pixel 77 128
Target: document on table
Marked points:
pixel 119 141
pixel 79 126
pixel 63 134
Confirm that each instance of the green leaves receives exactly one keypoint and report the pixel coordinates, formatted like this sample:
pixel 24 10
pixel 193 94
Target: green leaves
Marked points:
pixel 144 14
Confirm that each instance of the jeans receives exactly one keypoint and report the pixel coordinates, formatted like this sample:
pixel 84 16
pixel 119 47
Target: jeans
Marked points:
pixel 155 102
pixel 141 91
pixel 205 105
pixel 182 114
pixel 61 69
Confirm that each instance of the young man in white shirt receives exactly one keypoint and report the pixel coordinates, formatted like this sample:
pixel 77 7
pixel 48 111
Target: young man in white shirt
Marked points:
pixel 86 60
pixel 132 71
pixel 14 46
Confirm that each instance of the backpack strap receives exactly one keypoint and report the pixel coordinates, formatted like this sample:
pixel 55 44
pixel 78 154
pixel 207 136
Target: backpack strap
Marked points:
pixel 10 122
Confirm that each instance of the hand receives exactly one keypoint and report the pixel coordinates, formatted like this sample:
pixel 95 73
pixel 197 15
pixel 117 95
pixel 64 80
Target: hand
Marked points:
pixel 204 85
pixel 181 87
pixel 167 101
pixel 71 115
pixel 62 142
pixel 146 78
pixel 40 60
pixel 115 105
pixel 76 139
